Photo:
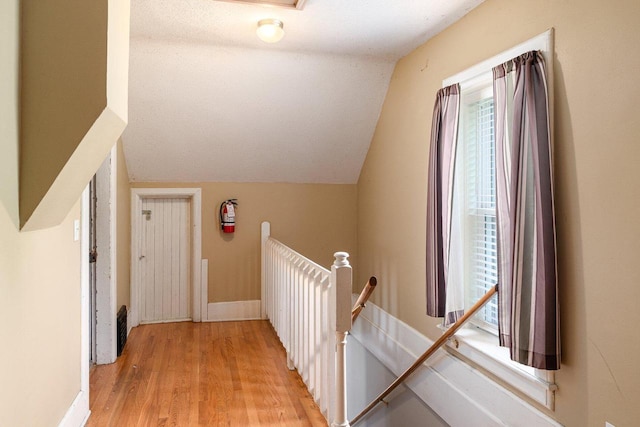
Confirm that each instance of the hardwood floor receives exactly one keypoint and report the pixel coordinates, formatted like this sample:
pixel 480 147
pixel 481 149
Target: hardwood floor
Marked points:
pixel 201 374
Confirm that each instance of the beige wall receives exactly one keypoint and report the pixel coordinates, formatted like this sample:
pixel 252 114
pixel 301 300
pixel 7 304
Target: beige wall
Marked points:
pixel 39 322
pixel 39 280
pixel 316 220
pixel 9 126
pixel 597 192
pixel 123 230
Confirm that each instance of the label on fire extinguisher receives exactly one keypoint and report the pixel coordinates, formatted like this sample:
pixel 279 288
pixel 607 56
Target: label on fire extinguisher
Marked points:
pixel 230 210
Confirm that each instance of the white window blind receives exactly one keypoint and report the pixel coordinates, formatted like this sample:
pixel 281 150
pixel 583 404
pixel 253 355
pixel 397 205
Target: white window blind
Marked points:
pixel 481 238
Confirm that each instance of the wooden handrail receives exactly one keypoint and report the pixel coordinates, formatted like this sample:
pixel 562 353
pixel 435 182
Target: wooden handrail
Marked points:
pixel 363 298
pixel 435 346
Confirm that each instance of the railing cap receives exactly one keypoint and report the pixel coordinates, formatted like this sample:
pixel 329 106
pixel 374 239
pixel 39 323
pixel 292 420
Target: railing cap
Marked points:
pixel 341 259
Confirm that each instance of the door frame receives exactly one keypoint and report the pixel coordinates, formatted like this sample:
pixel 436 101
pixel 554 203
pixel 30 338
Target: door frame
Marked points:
pixel 199 291
pixel 106 264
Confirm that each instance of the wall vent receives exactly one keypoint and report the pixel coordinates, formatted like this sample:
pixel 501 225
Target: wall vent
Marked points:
pixel 121 325
pixel 287 4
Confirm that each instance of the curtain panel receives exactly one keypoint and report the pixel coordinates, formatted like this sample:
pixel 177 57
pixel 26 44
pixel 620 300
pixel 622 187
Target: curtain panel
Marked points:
pixel 442 152
pixel 528 310
pixel 528 290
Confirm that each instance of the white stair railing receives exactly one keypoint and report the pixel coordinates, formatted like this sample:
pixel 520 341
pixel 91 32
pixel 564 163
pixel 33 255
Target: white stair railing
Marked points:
pixel 310 310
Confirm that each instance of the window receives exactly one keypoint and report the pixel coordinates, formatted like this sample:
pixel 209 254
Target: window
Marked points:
pixel 475 200
pixel 475 194
pixel 477 154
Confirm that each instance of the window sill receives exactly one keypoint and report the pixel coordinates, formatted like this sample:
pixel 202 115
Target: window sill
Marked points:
pixel 480 349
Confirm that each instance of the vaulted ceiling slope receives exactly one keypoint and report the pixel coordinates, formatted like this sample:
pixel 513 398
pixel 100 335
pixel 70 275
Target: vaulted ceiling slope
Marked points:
pixel 209 101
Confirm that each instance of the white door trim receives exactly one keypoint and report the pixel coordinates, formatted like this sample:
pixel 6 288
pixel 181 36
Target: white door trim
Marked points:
pixel 199 292
pixel 106 264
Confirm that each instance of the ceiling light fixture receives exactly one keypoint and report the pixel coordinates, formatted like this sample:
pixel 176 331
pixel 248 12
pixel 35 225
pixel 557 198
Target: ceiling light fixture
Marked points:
pixel 270 30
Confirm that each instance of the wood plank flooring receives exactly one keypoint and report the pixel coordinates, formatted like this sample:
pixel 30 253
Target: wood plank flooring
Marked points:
pixel 201 374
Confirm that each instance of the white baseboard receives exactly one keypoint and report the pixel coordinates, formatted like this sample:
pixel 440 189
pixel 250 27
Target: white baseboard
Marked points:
pixel 78 413
pixel 129 322
pixel 236 310
pixel 457 392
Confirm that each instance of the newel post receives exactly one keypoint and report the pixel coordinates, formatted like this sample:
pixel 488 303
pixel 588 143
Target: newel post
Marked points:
pixel 341 279
pixel 265 233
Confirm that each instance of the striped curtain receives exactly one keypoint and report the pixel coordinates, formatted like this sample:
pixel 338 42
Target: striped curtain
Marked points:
pixel 442 151
pixel 528 290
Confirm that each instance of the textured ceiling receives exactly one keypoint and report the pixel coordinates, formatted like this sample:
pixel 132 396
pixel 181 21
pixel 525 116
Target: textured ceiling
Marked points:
pixel 208 101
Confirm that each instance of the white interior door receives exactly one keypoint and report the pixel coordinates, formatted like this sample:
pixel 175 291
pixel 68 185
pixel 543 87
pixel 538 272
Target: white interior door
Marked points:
pixel 165 293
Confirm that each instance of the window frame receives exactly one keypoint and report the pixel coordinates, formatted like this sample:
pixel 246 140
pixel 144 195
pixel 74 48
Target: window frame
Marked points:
pixel 472 344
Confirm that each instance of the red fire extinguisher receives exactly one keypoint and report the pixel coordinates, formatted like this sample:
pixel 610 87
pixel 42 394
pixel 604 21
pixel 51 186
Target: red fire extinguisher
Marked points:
pixel 228 215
